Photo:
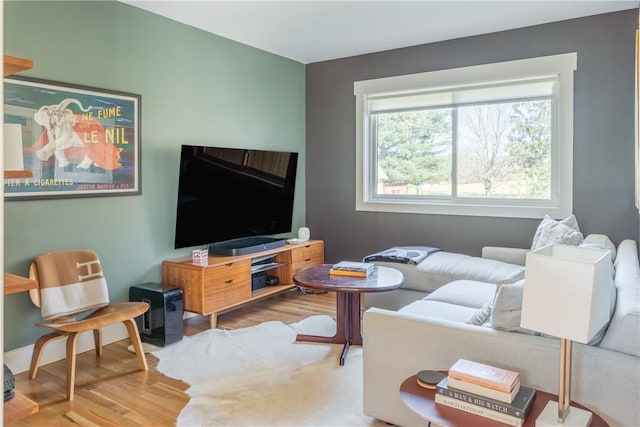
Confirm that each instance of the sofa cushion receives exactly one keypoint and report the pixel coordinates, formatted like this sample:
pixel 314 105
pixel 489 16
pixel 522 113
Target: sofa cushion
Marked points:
pixel 506 308
pixel 457 301
pixel 465 293
pixel 439 310
pixel 443 267
pixel 551 231
pixel 417 280
pixel 623 333
pixel 599 241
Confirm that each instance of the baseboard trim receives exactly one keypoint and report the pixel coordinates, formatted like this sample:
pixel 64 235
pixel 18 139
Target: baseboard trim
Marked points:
pixel 19 359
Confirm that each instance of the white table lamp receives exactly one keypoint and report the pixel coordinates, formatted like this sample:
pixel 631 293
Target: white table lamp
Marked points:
pixel 566 294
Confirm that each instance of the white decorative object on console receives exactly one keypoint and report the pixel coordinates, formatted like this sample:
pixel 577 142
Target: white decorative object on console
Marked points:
pixel 303 236
pixel 567 294
pixel 304 233
pixel 200 256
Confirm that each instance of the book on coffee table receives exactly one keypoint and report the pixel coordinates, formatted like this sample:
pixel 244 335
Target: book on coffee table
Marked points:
pixel 352 268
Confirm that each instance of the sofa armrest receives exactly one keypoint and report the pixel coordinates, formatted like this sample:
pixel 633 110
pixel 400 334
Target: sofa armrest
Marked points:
pixel 510 255
pixel 397 345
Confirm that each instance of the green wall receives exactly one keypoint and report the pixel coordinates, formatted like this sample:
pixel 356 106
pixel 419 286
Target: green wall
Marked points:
pixel 197 88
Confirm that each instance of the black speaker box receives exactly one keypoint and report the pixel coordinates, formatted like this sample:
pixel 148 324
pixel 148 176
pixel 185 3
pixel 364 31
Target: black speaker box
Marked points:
pixel 162 323
pixel 258 281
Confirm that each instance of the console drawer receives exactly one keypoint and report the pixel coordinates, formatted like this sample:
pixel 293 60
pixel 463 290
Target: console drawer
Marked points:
pixel 227 284
pixel 307 252
pixel 306 256
pixel 229 271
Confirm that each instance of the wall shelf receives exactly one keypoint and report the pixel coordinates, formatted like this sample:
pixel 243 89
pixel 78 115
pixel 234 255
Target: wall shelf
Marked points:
pixel 13 64
pixel 20 406
pixel 14 284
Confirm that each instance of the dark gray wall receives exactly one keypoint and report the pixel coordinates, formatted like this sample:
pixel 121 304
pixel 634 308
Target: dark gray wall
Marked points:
pixel 603 138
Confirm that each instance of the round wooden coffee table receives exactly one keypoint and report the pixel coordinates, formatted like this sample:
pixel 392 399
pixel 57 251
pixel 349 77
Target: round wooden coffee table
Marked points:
pixel 348 289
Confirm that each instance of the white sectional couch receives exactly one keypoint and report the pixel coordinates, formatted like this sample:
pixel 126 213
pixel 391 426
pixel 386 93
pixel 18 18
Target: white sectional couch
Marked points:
pixel 438 269
pixel 412 334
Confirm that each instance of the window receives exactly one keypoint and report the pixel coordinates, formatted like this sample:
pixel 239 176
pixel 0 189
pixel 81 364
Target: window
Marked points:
pixel 489 140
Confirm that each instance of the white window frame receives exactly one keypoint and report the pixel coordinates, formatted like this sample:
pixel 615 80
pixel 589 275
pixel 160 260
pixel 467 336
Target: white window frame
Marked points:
pixel 560 66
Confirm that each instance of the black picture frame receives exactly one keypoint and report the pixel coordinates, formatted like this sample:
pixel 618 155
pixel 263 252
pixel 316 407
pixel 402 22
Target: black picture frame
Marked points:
pixel 71 140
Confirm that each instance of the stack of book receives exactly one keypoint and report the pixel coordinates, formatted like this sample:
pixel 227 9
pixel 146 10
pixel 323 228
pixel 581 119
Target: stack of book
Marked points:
pixel 350 268
pixel 487 391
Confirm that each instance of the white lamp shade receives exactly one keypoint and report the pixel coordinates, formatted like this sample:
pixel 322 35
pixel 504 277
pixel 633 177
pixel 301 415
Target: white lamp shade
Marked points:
pixel 567 291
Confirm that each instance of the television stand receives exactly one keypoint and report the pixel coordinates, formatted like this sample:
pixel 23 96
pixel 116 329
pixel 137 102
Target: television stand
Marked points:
pixel 245 245
pixel 224 283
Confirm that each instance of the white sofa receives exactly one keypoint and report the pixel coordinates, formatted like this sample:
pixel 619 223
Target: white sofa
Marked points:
pixel 432 333
pixel 440 268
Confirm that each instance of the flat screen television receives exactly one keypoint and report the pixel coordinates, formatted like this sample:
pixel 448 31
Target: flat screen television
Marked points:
pixel 234 200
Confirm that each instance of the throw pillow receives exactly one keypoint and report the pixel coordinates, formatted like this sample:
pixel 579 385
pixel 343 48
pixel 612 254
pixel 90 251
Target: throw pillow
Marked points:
pixel 599 241
pixel 506 309
pixel 481 315
pixel 559 233
pixel 515 277
pixel 548 222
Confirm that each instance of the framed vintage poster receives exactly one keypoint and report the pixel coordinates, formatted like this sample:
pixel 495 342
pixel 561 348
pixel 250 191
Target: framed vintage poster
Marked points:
pixel 63 140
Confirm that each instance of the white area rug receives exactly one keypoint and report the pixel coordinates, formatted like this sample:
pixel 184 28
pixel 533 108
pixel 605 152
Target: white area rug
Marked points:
pixel 259 376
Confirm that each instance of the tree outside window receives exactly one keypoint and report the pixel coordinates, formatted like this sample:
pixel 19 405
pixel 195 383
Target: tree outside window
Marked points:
pixel 503 151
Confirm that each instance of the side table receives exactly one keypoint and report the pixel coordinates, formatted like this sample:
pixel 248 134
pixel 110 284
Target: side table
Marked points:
pixel 20 406
pixel 422 401
pixel 348 305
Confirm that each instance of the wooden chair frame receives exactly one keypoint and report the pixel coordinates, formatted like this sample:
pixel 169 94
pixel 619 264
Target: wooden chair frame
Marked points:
pixel 71 328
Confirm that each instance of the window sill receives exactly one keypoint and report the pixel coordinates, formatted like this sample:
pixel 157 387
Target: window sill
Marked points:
pixel 466 209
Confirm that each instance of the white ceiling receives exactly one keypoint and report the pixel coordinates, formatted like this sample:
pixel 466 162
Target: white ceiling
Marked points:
pixel 311 31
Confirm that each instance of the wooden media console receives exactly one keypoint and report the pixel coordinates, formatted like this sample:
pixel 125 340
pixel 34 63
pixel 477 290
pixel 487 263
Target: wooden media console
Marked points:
pixel 224 282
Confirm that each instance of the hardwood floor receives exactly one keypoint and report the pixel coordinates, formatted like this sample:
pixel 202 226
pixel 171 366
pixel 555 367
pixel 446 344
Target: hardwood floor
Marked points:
pixel 111 391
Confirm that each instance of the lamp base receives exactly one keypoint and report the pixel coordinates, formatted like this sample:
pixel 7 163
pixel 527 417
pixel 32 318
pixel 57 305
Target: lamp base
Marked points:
pixel 575 418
